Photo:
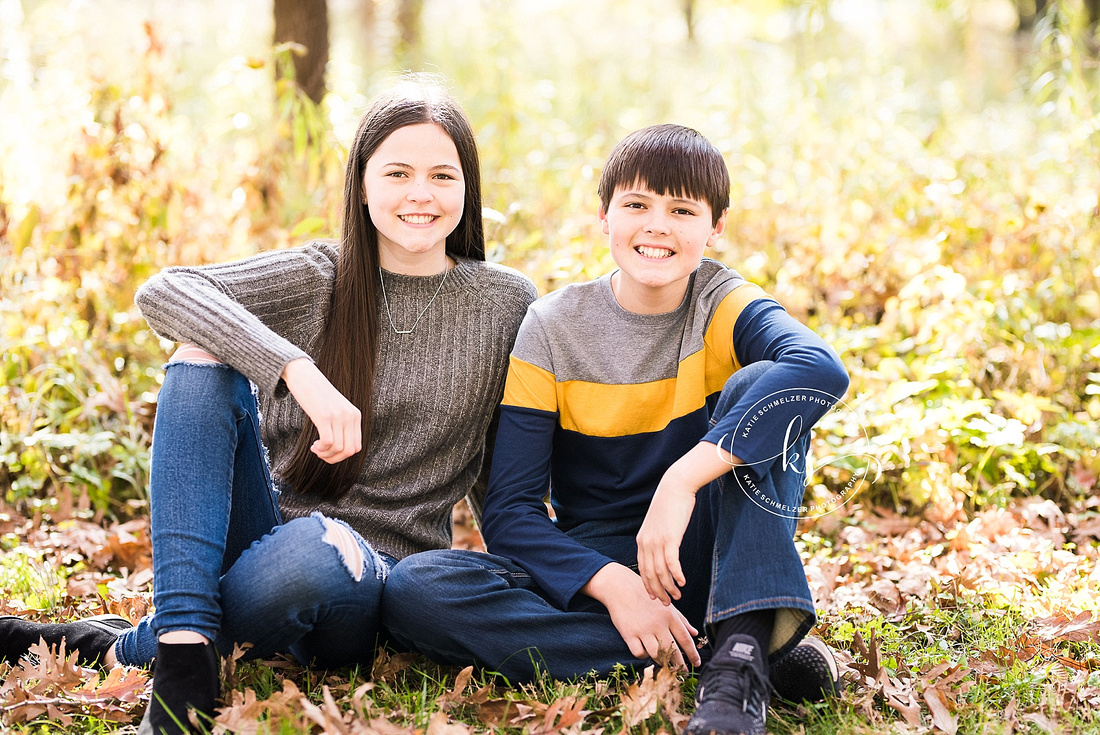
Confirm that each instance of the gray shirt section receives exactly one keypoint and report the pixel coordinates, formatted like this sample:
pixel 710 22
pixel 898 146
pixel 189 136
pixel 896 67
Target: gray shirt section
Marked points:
pixel 436 389
pixel 571 331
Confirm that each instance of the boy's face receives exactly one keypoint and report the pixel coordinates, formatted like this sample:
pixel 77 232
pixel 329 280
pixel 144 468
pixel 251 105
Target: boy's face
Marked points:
pixel 657 240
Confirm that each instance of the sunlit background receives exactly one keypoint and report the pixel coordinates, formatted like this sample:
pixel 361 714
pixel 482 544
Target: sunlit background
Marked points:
pixel 916 179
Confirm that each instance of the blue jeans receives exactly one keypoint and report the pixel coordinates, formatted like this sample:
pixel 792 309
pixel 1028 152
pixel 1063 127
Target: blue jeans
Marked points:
pixel 224 564
pixel 463 607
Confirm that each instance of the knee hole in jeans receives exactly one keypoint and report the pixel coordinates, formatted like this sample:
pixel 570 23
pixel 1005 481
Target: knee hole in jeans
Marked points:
pixel 340 537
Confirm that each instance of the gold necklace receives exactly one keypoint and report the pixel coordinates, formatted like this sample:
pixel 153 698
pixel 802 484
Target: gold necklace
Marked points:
pixel 386 301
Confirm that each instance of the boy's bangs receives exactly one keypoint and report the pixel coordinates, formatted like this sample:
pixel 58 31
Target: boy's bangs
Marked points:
pixel 677 177
pixel 669 160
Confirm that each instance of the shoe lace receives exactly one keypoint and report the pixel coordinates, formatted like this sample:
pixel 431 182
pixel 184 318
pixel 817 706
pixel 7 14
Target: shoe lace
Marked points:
pixel 739 684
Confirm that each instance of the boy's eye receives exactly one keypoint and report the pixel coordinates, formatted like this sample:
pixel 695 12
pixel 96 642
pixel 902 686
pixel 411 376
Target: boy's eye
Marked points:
pixel 634 205
pixel 681 210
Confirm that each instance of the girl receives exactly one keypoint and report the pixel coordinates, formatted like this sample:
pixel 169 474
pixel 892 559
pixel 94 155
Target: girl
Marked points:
pixel 376 365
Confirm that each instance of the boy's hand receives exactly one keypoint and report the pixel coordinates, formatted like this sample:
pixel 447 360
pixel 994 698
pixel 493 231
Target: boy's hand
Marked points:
pixel 669 512
pixel 338 421
pixel 647 626
pixel 659 540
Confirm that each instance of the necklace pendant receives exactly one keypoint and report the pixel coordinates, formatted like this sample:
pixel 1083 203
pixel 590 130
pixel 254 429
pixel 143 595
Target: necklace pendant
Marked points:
pixel 386 300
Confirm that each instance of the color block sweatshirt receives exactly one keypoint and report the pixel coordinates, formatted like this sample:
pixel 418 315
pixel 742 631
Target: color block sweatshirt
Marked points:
pixel 600 401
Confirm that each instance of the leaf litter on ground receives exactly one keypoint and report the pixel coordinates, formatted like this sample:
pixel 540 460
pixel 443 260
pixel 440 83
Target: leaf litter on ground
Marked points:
pixel 900 598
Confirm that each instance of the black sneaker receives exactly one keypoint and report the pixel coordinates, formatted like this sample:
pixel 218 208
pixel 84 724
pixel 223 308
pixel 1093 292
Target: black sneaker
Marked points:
pixel 91 637
pixel 807 674
pixel 733 691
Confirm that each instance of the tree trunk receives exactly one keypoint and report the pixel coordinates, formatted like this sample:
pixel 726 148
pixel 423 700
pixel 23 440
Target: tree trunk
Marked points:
pixel 1029 13
pixel 366 44
pixel 689 18
pixel 408 32
pixel 305 22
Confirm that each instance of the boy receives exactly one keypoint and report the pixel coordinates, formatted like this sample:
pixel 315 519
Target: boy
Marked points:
pixel 666 406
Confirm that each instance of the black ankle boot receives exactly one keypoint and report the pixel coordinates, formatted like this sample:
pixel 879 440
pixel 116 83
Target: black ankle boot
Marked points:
pixel 91 637
pixel 186 678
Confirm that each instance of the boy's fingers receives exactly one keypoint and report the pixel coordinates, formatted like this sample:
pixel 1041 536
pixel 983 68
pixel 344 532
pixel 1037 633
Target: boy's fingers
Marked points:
pixel 685 643
pixel 649 579
pixel 672 560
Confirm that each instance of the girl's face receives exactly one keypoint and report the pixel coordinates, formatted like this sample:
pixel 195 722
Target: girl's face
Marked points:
pixel 414 192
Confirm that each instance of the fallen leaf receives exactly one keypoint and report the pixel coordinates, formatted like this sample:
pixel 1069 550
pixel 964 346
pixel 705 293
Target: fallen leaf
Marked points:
pixel 440 725
pixel 941 714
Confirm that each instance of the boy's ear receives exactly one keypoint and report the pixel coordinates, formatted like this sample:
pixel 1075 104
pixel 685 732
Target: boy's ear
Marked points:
pixel 719 228
pixel 602 214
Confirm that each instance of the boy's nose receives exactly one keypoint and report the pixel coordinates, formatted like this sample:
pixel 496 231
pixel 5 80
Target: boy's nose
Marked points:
pixel 657 224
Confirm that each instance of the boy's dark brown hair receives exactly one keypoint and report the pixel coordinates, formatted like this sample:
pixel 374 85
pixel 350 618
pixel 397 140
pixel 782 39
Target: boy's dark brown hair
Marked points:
pixel 669 160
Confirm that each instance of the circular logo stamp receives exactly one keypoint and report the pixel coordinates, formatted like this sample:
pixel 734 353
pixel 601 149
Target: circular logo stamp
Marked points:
pixel 792 483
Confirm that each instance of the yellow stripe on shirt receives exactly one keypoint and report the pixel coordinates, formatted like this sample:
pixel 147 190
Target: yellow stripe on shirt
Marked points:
pixel 607 410
pixel 529 386
pixel 718 340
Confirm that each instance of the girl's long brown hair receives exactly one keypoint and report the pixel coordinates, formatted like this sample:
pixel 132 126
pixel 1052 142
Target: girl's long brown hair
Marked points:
pixel 348 352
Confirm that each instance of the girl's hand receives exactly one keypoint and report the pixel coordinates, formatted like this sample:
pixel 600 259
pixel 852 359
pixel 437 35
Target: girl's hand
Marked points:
pixel 646 626
pixel 338 421
pixel 659 539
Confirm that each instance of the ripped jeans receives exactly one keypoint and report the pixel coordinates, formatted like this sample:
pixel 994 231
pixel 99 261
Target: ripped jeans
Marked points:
pixel 224 563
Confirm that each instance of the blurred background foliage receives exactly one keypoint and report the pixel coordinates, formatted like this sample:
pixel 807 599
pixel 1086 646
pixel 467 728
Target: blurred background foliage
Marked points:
pixel 918 180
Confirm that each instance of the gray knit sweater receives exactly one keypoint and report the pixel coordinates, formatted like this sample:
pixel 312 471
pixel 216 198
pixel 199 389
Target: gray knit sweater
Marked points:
pixel 436 389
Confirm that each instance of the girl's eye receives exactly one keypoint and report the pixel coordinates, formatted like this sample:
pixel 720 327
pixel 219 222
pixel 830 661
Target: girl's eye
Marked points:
pixel 446 177
pixel 397 174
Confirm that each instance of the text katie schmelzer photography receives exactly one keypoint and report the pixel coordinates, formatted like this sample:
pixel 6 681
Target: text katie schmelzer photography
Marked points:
pixel 830 481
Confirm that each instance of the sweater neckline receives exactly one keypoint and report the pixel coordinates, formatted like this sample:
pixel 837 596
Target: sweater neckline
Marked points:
pixel 458 278
pixel 651 320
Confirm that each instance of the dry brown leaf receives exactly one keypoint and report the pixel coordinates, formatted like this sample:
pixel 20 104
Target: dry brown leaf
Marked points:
pixel 383 726
pixel 563 715
pixel 639 701
pixel 871 669
pixel 899 695
pixel 1061 627
pixel 1041 721
pixel 229 665
pixel 123 683
pixel 449 700
pixel 887 598
pixel 494 712
pixel 439 724
pixel 49 682
pixel 942 717
pixel 328 715
pixel 242 714
pixel 386 665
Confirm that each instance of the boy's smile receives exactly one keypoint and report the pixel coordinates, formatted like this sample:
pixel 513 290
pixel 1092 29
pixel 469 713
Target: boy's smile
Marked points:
pixel 657 240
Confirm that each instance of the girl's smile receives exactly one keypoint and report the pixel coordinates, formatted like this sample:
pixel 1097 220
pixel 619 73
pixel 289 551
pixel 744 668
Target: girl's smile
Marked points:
pixel 415 194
